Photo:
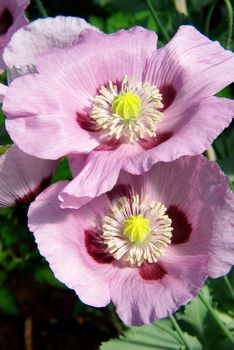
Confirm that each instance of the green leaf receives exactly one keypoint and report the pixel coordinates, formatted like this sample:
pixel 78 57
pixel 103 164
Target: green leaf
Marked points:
pixel 221 293
pixel 195 314
pixel 62 172
pixel 120 20
pixel 199 322
pixel 228 320
pixel 8 302
pixel 3 277
pixel 193 342
pixel 157 336
pixel 97 22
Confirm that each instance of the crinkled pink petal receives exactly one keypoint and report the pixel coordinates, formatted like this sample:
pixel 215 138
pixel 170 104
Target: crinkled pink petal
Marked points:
pixel 3 89
pixel 22 176
pixel 11 19
pixel 41 37
pixel 198 126
pixel 96 174
pixel 196 190
pixel 192 66
pixel 59 234
pixel 67 83
pixel 99 58
pixel 48 119
pixel 139 301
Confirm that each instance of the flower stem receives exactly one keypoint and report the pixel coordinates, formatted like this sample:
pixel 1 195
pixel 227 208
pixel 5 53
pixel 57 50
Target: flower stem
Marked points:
pixel 41 8
pixel 229 286
pixel 157 20
pixel 114 319
pixel 179 331
pixel 209 15
pixel 230 22
pixel 216 318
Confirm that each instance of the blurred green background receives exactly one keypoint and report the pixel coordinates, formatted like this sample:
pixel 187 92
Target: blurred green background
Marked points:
pixel 37 311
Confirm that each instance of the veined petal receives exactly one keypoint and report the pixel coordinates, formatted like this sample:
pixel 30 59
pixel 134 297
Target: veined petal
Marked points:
pixel 59 234
pixel 22 177
pixel 49 118
pixel 139 301
pixel 191 64
pixel 41 37
pixel 191 133
pixel 11 19
pixel 96 175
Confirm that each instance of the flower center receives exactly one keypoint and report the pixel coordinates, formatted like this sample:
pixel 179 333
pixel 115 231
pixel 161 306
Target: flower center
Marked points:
pixel 137 230
pixel 127 105
pixel 130 114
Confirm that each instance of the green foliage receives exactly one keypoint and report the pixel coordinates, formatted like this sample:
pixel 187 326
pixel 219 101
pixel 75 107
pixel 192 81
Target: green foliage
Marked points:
pixel 195 315
pixel 199 329
pixel 221 295
pixel 158 336
pixel 43 274
pixel 145 338
pixel 62 172
pixel 4 137
pixel 8 303
pixel 3 149
pixel 198 321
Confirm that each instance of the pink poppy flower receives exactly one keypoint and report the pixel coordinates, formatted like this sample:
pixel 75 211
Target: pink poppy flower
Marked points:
pixel 23 176
pixel 148 244
pixel 11 19
pixel 114 102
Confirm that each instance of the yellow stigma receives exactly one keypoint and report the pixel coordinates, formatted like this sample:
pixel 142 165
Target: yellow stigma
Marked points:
pixel 136 228
pixel 127 105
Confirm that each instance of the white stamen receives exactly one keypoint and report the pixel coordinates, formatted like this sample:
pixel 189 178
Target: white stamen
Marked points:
pixel 155 243
pixel 115 125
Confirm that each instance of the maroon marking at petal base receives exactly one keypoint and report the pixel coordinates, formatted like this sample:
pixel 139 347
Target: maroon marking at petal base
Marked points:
pixel 29 197
pixel 181 227
pixel 86 123
pixel 96 247
pixel 108 145
pixel 120 191
pixel 168 95
pixel 155 141
pixel 152 272
pixel 6 20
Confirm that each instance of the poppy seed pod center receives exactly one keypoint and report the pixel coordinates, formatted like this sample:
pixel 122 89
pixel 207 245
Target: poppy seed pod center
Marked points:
pixel 127 105
pixel 136 228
